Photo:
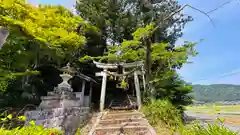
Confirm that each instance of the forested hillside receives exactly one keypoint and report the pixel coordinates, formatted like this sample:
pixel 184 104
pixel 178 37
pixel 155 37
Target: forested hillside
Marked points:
pixel 216 92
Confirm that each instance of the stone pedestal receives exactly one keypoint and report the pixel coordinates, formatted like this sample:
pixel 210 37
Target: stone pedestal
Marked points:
pixel 59 100
pixel 60 109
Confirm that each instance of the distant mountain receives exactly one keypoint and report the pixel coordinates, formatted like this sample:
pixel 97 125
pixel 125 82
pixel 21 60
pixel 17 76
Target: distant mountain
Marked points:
pixel 216 92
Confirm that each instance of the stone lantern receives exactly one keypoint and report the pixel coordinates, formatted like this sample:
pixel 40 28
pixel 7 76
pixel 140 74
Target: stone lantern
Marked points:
pixel 63 95
pixel 61 108
pixel 66 76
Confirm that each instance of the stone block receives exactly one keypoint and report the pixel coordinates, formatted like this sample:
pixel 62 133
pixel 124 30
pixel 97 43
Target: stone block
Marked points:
pixel 56 112
pixel 69 103
pixel 50 102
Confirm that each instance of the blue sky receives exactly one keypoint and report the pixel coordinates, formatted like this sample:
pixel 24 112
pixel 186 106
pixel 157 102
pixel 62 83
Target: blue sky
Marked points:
pixel 66 3
pixel 219 54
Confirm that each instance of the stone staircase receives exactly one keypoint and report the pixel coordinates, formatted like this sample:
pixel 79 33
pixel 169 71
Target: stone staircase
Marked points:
pixel 127 104
pixel 122 123
pixel 115 103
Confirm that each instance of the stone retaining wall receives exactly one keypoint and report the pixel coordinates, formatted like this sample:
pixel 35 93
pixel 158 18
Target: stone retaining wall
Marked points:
pixel 65 119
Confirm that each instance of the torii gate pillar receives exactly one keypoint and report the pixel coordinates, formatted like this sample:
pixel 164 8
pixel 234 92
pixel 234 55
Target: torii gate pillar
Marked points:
pixel 103 90
pixel 137 88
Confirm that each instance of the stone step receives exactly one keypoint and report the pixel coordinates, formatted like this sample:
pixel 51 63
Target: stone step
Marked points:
pixel 124 124
pixel 123 112
pixel 119 121
pixel 117 101
pixel 115 105
pixel 119 133
pixel 54 94
pixel 120 111
pixel 124 108
pixel 51 93
pixel 123 115
pixel 126 130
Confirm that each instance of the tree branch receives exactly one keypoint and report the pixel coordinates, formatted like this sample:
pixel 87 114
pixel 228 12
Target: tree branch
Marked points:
pixel 222 5
pixel 194 8
pixel 203 12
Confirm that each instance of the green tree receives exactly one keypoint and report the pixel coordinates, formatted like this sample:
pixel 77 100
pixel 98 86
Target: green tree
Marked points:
pixel 118 19
pixel 38 36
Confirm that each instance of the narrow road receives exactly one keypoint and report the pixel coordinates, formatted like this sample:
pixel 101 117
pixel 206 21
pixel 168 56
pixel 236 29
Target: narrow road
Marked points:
pixel 205 118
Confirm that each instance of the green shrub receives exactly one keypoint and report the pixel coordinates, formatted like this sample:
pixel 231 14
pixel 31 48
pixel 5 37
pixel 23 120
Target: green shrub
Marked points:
pixel 30 130
pixel 162 111
pixel 78 132
pixel 166 119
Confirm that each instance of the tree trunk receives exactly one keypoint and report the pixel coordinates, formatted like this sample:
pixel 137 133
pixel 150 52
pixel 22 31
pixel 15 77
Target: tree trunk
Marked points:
pixel 148 65
pixel 103 40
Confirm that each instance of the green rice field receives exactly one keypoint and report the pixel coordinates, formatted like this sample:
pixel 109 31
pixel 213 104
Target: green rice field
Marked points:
pixel 215 109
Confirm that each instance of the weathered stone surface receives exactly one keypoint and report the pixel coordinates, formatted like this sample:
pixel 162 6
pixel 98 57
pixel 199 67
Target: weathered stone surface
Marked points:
pixel 67 123
pixel 55 112
pixel 66 119
pixel 60 109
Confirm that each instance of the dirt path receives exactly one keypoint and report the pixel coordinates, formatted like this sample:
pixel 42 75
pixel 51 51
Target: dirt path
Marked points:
pixel 121 123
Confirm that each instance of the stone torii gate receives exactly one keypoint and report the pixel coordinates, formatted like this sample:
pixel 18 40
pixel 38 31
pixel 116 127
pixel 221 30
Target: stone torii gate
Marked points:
pixel 137 69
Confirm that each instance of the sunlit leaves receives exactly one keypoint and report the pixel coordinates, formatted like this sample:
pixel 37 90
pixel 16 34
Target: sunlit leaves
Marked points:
pixel 134 50
pixel 22 118
pixel 130 44
pixel 144 32
pixel 32 123
pixel 9 116
pixel 38 34
pixel 52 25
